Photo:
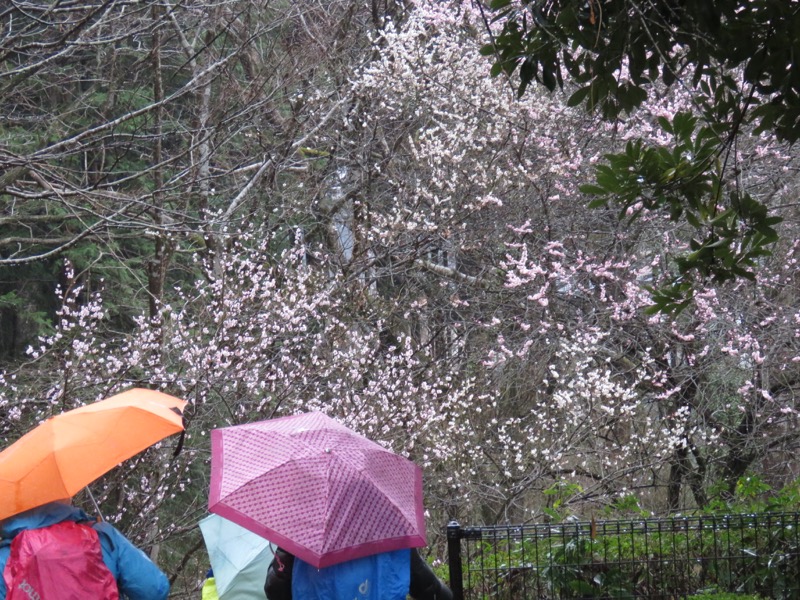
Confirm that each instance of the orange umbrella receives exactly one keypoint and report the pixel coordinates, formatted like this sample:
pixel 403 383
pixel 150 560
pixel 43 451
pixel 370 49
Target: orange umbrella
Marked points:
pixel 69 451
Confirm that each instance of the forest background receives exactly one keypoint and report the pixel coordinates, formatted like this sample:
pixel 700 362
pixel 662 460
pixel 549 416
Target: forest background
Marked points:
pixel 267 207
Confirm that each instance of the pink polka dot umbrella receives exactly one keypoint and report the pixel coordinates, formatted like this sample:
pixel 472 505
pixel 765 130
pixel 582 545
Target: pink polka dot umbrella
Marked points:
pixel 314 487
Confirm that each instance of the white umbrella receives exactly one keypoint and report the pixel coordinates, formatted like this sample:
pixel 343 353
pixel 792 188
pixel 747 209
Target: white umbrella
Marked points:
pixel 239 558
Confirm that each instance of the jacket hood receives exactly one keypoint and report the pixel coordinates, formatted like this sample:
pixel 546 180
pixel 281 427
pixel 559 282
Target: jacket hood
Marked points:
pixel 41 516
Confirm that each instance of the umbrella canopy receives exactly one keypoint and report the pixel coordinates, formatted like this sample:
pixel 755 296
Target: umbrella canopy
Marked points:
pixel 238 557
pixel 316 488
pixel 68 451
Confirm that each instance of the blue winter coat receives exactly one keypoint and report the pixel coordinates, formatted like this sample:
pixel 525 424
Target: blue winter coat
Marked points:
pixel 384 576
pixel 137 577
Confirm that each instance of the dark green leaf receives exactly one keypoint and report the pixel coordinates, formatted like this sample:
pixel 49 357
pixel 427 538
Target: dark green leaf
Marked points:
pixel 591 189
pixel 579 96
pixel 664 123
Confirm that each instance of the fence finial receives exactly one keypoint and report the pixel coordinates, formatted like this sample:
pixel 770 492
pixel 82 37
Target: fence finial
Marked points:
pixel 454 559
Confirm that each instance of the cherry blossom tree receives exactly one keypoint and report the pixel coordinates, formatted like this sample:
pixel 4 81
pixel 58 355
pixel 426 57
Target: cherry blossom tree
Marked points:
pixel 381 231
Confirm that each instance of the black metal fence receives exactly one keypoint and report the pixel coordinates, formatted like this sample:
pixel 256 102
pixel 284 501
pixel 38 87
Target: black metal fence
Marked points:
pixel 647 558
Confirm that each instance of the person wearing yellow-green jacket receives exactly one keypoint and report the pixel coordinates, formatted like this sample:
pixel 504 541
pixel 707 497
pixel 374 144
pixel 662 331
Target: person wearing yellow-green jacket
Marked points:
pixel 209 591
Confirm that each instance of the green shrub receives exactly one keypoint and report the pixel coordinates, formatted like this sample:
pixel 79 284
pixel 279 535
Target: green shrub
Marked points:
pixel 724 596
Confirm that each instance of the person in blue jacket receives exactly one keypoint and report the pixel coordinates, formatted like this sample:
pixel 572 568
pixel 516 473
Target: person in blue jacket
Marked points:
pixel 138 578
pixel 385 576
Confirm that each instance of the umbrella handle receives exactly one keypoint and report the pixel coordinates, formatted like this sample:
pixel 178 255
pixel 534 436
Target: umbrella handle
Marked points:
pixel 96 506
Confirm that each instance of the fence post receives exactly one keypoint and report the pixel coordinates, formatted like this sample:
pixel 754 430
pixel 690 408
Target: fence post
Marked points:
pixel 454 560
